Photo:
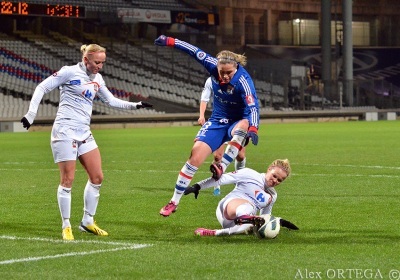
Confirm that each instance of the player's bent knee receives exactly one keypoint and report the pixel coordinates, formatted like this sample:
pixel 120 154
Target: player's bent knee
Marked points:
pixel 217 158
pixel 67 181
pixel 97 180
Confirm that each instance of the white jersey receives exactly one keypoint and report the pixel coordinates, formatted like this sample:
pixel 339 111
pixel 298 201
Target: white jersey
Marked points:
pixel 249 185
pixel 207 91
pixel 77 91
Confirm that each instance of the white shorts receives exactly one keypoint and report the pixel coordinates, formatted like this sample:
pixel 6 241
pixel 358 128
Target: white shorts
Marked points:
pixel 219 212
pixel 68 143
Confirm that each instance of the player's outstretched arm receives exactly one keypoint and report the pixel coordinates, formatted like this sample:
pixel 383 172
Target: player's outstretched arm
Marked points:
pixel 259 221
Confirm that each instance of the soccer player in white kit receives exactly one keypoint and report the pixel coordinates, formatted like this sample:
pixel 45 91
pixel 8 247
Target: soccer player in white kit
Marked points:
pixel 254 193
pixel 71 138
pixel 240 160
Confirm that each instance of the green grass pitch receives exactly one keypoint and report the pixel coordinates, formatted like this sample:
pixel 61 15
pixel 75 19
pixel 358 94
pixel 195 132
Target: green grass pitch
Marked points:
pixel 343 194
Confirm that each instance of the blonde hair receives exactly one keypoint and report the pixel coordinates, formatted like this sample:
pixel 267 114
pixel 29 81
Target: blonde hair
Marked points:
pixel 90 49
pixel 226 57
pixel 284 164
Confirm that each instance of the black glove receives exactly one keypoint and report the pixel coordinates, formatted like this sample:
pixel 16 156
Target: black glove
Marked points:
pixel 143 104
pixel 193 189
pixel 25 123
pixel 287 224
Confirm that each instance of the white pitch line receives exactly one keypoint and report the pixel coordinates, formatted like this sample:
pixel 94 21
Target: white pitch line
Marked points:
pixel 63 241
pixel 354 166
pixel 349 175
pixel 153 171
pixel 292 174
pixel 30 259
pixel 126 246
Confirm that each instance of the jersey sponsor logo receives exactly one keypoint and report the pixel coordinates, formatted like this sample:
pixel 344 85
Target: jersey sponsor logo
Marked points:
pixel 201 55
pixel 250 100
pixel 223 101
pixel 259 196
pixel 87 94
pixel 75 82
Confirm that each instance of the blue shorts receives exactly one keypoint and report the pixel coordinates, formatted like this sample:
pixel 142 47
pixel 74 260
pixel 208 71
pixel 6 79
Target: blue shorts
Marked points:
pixel 215 132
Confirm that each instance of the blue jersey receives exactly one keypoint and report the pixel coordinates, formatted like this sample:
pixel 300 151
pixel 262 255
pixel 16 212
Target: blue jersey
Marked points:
pixel 234 101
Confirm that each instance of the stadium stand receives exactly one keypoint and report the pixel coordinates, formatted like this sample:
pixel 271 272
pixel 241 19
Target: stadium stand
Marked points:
pixel 49 54
pixel 138 72
pixel 134 71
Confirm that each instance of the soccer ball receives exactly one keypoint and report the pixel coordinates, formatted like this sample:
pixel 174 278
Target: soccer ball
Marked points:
pixel 270 229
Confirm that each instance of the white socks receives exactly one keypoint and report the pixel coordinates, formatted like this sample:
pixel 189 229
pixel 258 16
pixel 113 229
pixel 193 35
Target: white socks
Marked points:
pixel 91 199
pixel 238 229
pixel 64 203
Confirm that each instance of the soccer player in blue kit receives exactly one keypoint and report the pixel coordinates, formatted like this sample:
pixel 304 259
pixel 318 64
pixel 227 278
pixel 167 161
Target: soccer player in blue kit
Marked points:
pixel 240 161
pixel 235 116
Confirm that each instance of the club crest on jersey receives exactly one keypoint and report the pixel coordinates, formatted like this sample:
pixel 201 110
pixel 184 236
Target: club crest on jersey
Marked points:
pixel 201 55
pixel 250 100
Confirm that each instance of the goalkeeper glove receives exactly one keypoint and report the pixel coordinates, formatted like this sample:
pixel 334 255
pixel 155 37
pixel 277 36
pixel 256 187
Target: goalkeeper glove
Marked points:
pixel 25 123
pixel 142 104
pixel 252 133
pixel 194 189
pixel 165 41
pixel 287 224
pixel 27 120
